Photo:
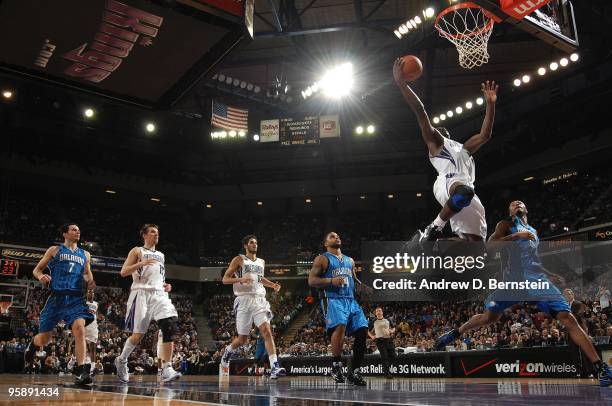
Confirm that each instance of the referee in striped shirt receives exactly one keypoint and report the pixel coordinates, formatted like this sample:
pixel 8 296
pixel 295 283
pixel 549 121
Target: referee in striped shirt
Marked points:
pixel 384 341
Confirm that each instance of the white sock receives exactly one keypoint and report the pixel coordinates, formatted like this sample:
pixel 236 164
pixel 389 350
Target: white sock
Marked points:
pixel 438 222
pixel 127 350
pixel 273 360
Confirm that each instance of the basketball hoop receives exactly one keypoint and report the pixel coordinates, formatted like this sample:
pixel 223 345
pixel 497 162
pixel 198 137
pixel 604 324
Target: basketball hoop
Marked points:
pixel 469 27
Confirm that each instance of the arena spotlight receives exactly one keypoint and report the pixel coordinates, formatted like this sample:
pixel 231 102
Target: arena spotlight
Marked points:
pixel 229 80
pixel 110 191
pixel 390 196
pixel 442 117
pixel 362 197
pixel 403 29
pixel 255 137
pixel 459 110
pixel 338 81
pixel 249 87
pixel 260 203
pixel 150 127
pixel 243 84
pixel 221 77
pixel 429 12
pixel 554 66
pixel 214 135
pixel 526 78
pixel 419 194
pixel 517 82
pixel 359 130
pixel 468 105
pixel 479 101
pixel 436 120
pixel 563 62
pixel 236 82
pixel 223 134
pixel 7 94
pixel 542 71
pixel 257 89
pixel 232 133
pixel 371 129
pixel 574 57
pixel 308 200
pixel 398 34
pixel 449 113
pixel 88 112
pixel 208 206
pixel 241 134
pixel 528 178
pixel 155 199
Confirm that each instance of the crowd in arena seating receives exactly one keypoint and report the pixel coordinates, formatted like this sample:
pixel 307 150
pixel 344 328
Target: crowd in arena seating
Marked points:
pixel 58 356
pixel 554 208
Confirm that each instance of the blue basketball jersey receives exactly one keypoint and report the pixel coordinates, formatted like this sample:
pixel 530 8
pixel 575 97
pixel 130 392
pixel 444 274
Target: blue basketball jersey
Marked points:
pixel 523 260
pixel 339 267
pixel 67 269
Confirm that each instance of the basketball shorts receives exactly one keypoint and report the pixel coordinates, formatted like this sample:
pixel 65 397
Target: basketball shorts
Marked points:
pixel 144 306
pixel 343 311
pixel 550 304
pixel 91 332
pixel 249 310
pixel 471 219
pixel 63 307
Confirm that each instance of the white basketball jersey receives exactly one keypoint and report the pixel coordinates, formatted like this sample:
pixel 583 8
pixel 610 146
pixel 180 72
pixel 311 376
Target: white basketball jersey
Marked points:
pixel 454 161
pixel 255 270
pixel 152 276
pixel 92 306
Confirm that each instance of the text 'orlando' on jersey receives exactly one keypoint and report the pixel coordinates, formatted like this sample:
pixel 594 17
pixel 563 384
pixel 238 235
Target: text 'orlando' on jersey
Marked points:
pixel 255 271
pixel 151 277
pixel 339 267
pixel 67 268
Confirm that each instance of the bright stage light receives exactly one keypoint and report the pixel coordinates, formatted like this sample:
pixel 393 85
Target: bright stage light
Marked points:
pixel 563 62
pixel 436 120
pixel 371 129
pixel 479 101
pixel 542 71
pixel 574 57
pixel 554 66
pixel 359 130
pixel 338 81
pixel 89 113
pixel 150 127
pixel 517 82
pixel 468 105
pixel 256 137
pixel 459 110
pixel 442 117
pixel 526 78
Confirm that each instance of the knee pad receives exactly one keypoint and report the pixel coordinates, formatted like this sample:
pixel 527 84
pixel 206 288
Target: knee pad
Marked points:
pixel 169 328
pixel 462 197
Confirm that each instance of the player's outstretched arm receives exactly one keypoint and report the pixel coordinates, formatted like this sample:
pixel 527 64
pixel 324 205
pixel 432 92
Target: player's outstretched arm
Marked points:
pixel 489 91
pixel 314 277
pixel 43 263
pixel 433 139
pixel 229 277
pixel 132 262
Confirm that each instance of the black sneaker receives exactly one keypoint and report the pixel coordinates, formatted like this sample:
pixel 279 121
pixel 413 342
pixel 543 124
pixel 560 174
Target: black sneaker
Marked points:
pixel 81 375
pixel 446 339
pixel 337 374
pixel 355 379
pixel 29 353
pixel 431 233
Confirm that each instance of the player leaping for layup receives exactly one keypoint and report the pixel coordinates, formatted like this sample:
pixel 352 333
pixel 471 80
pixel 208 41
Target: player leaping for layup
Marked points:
pixel 454 187
pixel 246 274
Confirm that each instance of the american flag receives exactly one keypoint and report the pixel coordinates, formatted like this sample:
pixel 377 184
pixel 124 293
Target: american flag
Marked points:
pixel 228 117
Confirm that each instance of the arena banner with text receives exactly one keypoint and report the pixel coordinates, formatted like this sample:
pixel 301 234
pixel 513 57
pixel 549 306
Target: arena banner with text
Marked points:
pixel 540 362
pixel 268 130
pixel 414 365
pixel 31 256
pixel 329 126
pixel 134 50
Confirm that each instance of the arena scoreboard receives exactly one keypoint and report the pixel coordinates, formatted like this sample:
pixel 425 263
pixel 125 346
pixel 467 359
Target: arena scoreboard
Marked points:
pixel 8 267
pixel 301 131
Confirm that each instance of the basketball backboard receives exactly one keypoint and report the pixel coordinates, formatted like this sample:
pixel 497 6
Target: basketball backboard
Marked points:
pixel 553 23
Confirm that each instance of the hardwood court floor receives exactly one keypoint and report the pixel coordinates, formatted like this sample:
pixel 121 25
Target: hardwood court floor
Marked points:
pixel 306 391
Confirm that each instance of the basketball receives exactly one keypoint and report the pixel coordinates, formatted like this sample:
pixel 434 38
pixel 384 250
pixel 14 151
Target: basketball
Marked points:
pixel 412 69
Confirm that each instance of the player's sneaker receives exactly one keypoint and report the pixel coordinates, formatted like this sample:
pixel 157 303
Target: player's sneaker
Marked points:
pixel 355 378
pixel 122 370
pixel 446 339
pixel 431 233
pixel 81 374
pixel 605 376
pixel 169 374
pixel 29 353
pixel 337 374
pixel 277 371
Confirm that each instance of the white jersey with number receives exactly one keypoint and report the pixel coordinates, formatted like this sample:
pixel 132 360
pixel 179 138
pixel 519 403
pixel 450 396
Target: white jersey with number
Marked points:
pixel 150 277
pixel 454 161
pixel 254 270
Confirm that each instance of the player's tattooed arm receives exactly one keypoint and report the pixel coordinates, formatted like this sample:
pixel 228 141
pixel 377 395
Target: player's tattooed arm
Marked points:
pixel 43 263
pixel 489 91
pixel 132 262
pixel 314 277
pixel 433 139
pixel 229 278
pixel 87 274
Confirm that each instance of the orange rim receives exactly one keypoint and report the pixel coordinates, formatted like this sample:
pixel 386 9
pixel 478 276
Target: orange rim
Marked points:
pixel 487 27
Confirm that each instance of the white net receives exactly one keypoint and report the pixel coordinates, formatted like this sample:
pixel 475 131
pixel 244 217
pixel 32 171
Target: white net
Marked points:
pixel 469 28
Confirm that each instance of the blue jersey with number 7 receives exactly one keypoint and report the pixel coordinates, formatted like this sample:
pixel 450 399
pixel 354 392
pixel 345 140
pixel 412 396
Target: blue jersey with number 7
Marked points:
pixel 67 269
